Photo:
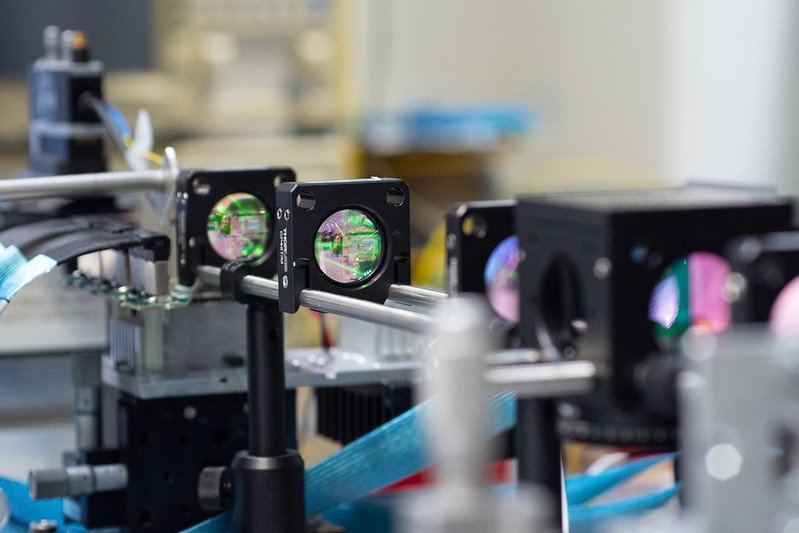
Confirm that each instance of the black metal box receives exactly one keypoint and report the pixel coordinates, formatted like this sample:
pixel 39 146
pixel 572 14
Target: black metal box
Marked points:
pixel 590 263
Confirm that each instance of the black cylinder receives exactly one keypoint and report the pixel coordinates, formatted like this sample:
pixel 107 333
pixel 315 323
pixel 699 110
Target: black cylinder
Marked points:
pixel 269 493
pixel 266 380
pixel 538 450
pixel 656 379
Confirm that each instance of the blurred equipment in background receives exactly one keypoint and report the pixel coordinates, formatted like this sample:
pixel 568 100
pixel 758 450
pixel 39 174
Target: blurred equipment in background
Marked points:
pixel 602 321
pixel 66 137
pixel 447 154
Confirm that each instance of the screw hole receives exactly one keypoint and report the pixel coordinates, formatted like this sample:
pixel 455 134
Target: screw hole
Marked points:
pixel 201 186
pixel 306 201
pixel 474 226
pixel 395 196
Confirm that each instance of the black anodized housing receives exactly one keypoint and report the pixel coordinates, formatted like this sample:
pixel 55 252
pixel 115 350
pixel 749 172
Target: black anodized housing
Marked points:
pixel 590 264
pixel 474 230
pixel 765 264
pixel 303 207
pixel 199 191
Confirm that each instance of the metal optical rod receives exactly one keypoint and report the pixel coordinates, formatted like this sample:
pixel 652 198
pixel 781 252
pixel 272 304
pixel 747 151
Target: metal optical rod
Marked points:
pixel 329 303
pixel 415 296
pixel 86 184
pixel 540 380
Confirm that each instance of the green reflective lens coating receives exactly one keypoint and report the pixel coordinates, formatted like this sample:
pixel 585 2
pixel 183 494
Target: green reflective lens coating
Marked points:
pixel 239 227
pixel 348 246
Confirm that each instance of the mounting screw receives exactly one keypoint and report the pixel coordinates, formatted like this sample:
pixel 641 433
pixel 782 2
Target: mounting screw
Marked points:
pixel 602 268
pixel 215 489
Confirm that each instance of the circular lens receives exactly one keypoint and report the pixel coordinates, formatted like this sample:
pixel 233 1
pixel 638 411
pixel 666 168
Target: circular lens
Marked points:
pixel 502 279
pixel 348 246
pixel 785 311
pixel 690 296
pixel 239 227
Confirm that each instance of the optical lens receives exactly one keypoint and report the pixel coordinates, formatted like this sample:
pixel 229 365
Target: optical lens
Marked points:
pixel 502 279
pixel 785 311
pixel 690 296
pixel 348 246
pixel 239 227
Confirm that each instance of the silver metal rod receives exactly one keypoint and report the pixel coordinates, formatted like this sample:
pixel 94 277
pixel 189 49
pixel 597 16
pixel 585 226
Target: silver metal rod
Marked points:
pixel 265 288
pixel 86 184
pixel 368 311
pixel 541 380
pixel 515 356
pixel 210 275
pixel 329 303
pixel 415 296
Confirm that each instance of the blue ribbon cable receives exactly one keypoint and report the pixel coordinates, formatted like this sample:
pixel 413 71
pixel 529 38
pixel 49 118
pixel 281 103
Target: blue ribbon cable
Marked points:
pixel 16 270
pixel 395 451
pixel 10 260
pixel 25 510
pixel 391 452
pixel 586 518
pixel 374 514
pixel 581 488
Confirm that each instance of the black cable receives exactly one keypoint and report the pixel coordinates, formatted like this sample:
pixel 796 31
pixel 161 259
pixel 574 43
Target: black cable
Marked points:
pixel 26 236
pixel 73 246
pixel 32 238
pixel 98 105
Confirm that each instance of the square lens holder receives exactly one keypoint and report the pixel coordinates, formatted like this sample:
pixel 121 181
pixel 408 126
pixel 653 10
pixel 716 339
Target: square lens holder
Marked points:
pixel 225 215
pixel 591 263
pixel 474 230
pixel 762 265
pixel 344 237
